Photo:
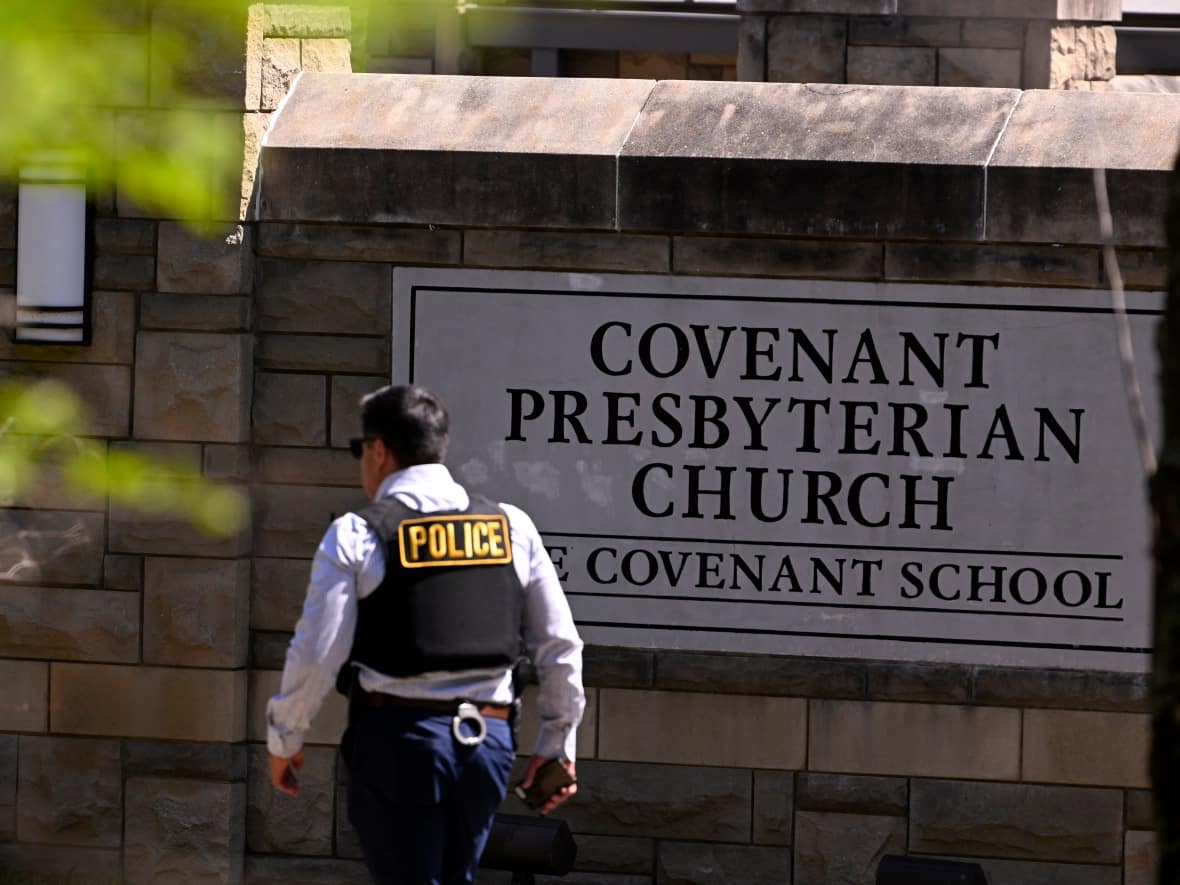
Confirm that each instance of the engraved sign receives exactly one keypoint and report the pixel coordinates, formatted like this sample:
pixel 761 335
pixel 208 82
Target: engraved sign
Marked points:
pixel 874 470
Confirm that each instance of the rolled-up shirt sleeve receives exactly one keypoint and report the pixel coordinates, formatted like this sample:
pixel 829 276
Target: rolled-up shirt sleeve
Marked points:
pixel 553 644
pixel 323 636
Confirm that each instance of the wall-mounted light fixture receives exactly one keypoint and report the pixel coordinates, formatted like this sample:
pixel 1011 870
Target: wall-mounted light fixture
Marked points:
pixel 52 278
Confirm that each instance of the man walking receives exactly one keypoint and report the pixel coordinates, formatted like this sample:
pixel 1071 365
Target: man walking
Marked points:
pixel 423 598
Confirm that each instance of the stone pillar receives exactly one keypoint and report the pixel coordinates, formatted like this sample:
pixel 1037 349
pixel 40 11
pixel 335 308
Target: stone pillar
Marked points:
pixel 1034 44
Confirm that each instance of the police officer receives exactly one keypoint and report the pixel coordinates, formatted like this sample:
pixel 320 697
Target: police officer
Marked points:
pixel 423 597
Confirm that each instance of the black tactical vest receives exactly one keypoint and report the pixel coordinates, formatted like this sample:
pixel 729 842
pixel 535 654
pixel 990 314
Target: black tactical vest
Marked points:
pixel 450 599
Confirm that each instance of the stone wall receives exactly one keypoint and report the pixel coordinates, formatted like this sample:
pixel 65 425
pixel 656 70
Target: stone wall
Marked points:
pixel 1067 45
pixel 137 662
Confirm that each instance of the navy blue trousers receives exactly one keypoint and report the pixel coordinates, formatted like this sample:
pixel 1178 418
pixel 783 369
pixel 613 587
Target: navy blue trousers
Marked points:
pixel 422 804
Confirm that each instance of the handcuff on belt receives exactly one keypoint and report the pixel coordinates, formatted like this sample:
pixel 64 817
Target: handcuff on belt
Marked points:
pixel 469 712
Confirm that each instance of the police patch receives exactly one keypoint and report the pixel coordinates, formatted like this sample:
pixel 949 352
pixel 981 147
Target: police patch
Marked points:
pixel 466 539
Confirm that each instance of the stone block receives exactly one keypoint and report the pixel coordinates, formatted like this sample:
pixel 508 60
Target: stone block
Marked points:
pixel 609 667
pixel 290 520
pixel 227 463
pixel 811 259
pixel 324 297
pixel 1141 269
pixel 280 824
pixel 61 862
pixel 1140 858
pixel 326 54
pixel 1063 10
pixel 124 236
pixel 587 734
pixel 1094 53
pixel 193 386
pixel 660 801
pixel 693 863
pixel 211 68
pixel 925 740
pixel 122 572
pixel 896 65
pixel 183 831
pixel 537 152
pixel 70 625
pixel 935 683
pixel 615 854
pixel 293 466
pixel 278 589
pixel 751 58
pixel 352 243
pixel 653 65
pixel 24 696
pixel 324 353
pixel 999 264
pixel 268 650
pixel 195 313
pixel 8 781
pixel 701 158
pixel 760 674
pixel 774 794
pixel 262 870
pixel 1046 155
pixel 1077 689
pixel 536 249
pixel 1140 811
pixel 827 7
pixel 994 33
pixel 51 547
pixel 186 759
pixel 702 729
pixel 290 410
pixel 326 727
pixel 70 792
pixel 196 264
pixel 196 611
pixel 294 20
pixel 1018 821
pixel 148 702
pixel 979 67
pixel 135 273
pixel 806 49
pixel 844 849
pixel 139 533
pixel 280 64
pixel 901 31
pixel 1082 747
pixel 105 391
pixel 345 405
pixel 852 794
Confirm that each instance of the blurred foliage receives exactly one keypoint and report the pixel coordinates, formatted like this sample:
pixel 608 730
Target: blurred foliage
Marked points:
pixel 38 437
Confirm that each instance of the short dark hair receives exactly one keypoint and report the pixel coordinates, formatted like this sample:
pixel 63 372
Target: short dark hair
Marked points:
pixel 410 420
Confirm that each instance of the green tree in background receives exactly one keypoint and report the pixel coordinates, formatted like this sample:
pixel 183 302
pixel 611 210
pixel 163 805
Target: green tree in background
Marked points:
pixel 65 66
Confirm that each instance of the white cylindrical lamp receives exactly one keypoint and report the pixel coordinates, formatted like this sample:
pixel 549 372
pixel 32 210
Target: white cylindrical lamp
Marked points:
pixel 52 298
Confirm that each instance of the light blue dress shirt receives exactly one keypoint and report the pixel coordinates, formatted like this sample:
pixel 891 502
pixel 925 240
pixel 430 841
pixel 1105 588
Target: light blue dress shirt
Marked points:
pixel 350 564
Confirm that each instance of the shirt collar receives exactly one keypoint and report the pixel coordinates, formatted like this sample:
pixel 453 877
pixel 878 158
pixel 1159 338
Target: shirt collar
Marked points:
pixel 424 487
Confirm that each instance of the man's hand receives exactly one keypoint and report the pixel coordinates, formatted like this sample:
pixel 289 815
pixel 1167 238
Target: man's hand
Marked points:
pixel 282 773
pixel 561 795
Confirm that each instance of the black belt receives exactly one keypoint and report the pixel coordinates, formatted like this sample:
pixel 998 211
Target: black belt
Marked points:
pixel 448 708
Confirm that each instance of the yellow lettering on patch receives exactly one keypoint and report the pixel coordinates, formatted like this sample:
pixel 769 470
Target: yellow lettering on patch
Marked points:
pixel 454 540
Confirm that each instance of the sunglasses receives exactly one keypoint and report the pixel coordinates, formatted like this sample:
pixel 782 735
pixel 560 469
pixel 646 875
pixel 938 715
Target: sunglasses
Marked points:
pixel 356 445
